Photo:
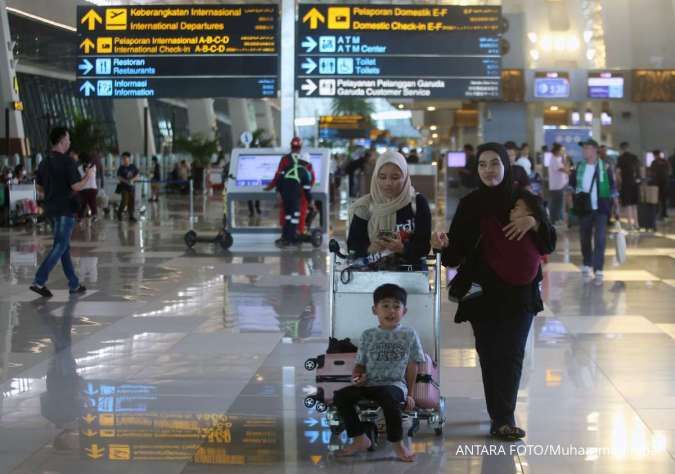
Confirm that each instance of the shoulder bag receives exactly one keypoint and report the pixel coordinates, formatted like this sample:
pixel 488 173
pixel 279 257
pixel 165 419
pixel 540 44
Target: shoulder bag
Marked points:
pixel 582 201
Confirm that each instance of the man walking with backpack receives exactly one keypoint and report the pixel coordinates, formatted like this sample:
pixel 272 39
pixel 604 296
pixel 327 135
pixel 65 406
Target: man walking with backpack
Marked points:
pixel 58 178
pixel 595 193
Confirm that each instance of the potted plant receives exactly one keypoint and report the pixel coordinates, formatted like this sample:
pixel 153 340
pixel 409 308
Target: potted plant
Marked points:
pixel 201 149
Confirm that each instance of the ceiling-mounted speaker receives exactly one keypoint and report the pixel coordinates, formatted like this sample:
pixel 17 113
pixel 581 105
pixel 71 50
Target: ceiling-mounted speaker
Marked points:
pixel 504 25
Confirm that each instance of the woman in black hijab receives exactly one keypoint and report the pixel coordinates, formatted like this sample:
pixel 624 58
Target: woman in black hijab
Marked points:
pixel 501 314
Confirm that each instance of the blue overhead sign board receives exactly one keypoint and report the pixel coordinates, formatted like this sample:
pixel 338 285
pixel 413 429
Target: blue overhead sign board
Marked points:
pixel 178 51
pixel 398 51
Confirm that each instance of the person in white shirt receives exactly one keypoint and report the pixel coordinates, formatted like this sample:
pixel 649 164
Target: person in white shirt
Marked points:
pixel 524 159
pixel 558 179
pixel 90 190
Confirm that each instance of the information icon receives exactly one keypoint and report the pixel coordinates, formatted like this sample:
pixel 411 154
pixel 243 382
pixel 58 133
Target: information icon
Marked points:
pixel 104 88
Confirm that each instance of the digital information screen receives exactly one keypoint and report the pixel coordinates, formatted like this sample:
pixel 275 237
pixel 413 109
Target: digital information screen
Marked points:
pixel 258 170
pixel 551 85
pixel 456 159
pixel 390 51
pixel 178 51
pixel 605 85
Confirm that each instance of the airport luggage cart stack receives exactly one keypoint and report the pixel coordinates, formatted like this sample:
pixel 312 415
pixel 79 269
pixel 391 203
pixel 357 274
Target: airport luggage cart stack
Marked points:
pixel 22 204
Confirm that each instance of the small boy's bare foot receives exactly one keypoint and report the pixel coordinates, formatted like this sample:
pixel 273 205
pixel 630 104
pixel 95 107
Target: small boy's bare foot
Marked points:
pixel 403 453
pixel 360 445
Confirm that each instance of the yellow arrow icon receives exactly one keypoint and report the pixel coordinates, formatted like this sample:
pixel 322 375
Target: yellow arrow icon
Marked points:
pixel 95 452
pixel 91 18
pixel 89 433
pixel 87 45
pixel 89 418
pixel 314 16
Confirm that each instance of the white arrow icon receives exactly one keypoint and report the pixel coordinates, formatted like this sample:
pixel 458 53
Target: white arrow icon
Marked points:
pixel 308 87
pixel 309 44
pixel 309 65
pixel 86 67
pixel 87 88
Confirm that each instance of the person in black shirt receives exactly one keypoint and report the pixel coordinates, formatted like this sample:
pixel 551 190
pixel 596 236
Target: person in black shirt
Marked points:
pixel 392 217
pixel 628 177
pixel 58 178
pixel 127 174
pixel 502 315
pixel 659 173
pixel 155 180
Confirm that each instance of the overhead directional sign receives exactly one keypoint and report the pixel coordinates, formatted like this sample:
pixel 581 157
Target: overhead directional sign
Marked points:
pixel 178 51
pixel 398 51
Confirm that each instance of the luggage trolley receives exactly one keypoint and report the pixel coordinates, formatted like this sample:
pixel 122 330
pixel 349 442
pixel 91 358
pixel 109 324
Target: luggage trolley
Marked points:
pixel 22 203
pixel 351 296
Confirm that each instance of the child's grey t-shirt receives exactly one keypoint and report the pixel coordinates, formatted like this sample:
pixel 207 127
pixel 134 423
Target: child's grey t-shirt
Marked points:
pixel 386 353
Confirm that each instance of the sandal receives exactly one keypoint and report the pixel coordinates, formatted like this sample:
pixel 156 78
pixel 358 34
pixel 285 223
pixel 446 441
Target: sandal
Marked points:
pixel 508 433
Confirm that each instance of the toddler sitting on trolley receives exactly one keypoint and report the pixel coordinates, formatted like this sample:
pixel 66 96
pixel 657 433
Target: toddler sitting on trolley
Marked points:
pixel 385 372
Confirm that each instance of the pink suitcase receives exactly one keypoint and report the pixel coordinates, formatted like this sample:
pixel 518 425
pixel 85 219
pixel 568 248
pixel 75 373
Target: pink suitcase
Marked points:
pixel 334 371
pixel 427 392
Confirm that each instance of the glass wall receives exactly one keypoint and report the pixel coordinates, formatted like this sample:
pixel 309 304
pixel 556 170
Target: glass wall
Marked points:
pixel 49 102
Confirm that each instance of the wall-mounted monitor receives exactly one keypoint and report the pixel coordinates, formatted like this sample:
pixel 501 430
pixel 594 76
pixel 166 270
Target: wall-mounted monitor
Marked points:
pixel 605 85
pixel 456 159
pixel 551 85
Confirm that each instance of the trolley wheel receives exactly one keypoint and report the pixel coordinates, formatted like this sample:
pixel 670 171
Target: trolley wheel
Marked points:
pixel 321 407
pixel 190 238
pixel 438 431
pixel 310 364
pixel 316 237
pixel 225 240
pixel 309 402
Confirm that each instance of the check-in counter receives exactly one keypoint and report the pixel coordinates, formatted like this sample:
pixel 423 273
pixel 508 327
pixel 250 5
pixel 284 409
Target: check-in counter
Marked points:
pixel 424 178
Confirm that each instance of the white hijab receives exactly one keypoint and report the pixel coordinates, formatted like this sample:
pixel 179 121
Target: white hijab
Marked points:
pixel 378 210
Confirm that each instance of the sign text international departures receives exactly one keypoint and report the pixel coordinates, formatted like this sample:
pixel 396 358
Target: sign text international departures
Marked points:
pixel 178 51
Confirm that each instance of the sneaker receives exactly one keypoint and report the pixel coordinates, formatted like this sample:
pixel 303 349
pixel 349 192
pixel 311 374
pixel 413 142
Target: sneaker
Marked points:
pixel 599 277
pixel 41 290
pixel 508 433
pixel 78 291
pixel 132 219
pixel 94 219
pixel 282 243
pixel 586 270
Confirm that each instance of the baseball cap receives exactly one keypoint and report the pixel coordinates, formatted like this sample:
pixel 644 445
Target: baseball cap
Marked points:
pixel 590 142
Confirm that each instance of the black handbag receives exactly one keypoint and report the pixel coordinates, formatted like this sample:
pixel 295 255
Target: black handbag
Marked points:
pixel 582 201
pixel 463 287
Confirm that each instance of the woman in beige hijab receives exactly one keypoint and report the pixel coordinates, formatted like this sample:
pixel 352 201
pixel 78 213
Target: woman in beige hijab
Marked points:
pixel 393 216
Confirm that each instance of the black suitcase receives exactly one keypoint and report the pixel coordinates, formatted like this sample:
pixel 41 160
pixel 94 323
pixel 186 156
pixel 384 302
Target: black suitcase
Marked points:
pixel 647 216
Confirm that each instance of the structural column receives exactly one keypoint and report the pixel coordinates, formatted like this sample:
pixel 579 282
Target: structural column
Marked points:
pixel 201 117
pixel 9 90
pixel 265 119
pixel 243 120
pixel 134 130
pixel 287 71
